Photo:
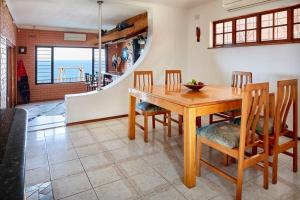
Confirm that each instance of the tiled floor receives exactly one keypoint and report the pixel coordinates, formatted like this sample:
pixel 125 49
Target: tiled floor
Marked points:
pixel 97 161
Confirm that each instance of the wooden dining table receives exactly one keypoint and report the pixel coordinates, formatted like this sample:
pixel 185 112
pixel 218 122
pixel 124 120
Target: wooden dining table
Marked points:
pixel 191 104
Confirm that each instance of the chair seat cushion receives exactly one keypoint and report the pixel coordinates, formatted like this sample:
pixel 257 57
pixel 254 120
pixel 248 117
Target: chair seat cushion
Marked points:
pixel 224 133
pixel 259 126
pixel 148 107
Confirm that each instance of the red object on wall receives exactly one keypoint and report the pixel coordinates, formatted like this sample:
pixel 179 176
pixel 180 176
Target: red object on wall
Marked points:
pixel 198 33
pixel 21 71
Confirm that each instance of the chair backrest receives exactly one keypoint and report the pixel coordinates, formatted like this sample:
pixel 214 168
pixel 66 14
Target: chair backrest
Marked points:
pixel 87 77
pixel 143 79
pixel 173 77
pixel 287 97
pixel 255 102
pixel 240 79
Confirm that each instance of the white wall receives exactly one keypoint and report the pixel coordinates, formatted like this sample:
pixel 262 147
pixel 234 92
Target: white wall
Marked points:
pixel 214 66
pixel 167 50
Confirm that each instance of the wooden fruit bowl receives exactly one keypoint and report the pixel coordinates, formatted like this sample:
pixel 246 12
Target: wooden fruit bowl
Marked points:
pixel 195 87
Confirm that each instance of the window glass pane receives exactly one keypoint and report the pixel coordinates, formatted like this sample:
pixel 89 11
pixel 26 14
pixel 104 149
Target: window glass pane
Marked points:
pixel 219 28
pixel 228 26
pixel 297 15
pixel 266 34
pixel 297 31
pixel 280 18
pixel 240 24
pixel 228 38
pixel 43 68
pixel 251 23
pixel 70 64
pixel 267 20
pixel 251 36
pixel 219 39
pixel 280 33
pixel 240 37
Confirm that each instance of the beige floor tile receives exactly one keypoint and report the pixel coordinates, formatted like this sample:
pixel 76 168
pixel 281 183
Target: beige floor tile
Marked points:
pixel 96 161
pixel 160 158
pixel 95 125
pixel 171 172
pixel 147 182
pixel 126 153
pixel 89 150
pixel 87 195
pixel 70 185
pixel 119 190
pixel 103 134
pixel 84 141
pixel 168 193
pixel 79 134
pixel 62 156
pixel 133 167
pixel 204 190
pixel 37 176
pixel 36 161
pixel 65 169
pixel 103 176
pixel 113 144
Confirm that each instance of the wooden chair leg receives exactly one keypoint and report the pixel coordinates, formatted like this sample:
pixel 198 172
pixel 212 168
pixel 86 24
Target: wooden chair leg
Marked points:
pixel 165 118
pixel 239 184
pixel 145 128
pixel 295 158
pixel 275 166
pixel 211 117
pixel 169 124
pixel 198 157
pixel 266 173
pixel 153 121
pixel 180 121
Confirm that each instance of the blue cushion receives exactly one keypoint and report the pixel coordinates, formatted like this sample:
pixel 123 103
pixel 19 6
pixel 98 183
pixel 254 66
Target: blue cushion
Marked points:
pixel 259 126
pixel 148 107
pixel 224 133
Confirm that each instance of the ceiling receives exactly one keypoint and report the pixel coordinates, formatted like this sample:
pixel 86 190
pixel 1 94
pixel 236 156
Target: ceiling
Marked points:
pixel 68 14
pixel 81 15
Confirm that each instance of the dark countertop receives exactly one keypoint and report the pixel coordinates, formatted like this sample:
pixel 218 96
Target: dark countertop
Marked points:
pixel 13 129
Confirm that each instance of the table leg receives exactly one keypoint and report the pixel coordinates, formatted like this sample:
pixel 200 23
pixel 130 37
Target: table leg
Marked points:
pixel 131 118
pixel 189 119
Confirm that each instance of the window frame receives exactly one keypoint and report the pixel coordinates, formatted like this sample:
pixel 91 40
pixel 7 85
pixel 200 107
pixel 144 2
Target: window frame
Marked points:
pixel 258 15
pixel 52 62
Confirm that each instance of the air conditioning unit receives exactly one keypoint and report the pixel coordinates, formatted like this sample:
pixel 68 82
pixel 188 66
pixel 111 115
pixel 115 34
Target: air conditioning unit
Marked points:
pixel 75 37
pixel 231 5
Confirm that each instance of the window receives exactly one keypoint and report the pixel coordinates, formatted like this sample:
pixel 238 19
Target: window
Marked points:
pixel 246 30
pixel 66 64
pixel 273 26
pixel 296 23
pixel 224 33
pixel 44 65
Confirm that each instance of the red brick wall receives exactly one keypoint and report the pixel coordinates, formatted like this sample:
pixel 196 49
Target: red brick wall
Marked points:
pixel 8 28
pixel 116 49
pixel 32 38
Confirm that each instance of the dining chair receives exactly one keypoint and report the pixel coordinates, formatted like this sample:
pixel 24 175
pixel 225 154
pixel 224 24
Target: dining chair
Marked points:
pixel 234 140
pixel 143 80
pixel 239 80
pixel 87 81
pixel 286 98
pixel 173 78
